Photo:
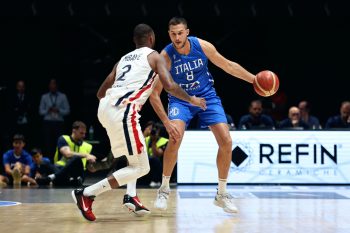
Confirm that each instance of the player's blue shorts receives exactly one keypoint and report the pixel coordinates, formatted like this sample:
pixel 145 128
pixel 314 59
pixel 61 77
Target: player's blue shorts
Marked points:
pixel 212 115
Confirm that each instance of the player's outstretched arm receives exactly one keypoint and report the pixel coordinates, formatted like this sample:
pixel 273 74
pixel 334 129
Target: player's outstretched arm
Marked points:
pixel 228 66
pixel 158 64
pixel 107 83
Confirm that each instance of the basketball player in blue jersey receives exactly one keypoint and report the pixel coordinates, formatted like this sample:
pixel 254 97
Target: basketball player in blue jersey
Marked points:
pixel 122 95
pixel 187 59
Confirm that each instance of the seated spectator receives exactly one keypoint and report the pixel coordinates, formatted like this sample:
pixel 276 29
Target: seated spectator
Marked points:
pixel 294 120
pixel 156 141
pixel 148 128
pixel 73 153
pixel 342 120
pixel 17 162
pixel 155 145
pixel 311 120
pixel 256 119
pixel 42 170
pixel 3 181
pixel 45 172
pixel 231 124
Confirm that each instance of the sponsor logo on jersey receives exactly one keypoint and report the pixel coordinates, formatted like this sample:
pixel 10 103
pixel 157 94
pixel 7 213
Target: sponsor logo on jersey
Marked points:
pixel 190 86
pixel 174 111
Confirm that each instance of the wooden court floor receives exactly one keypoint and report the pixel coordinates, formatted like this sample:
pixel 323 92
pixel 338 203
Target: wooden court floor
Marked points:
pixel 270 209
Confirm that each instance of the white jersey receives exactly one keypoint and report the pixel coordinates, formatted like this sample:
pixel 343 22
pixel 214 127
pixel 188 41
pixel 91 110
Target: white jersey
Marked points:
pixel 134 80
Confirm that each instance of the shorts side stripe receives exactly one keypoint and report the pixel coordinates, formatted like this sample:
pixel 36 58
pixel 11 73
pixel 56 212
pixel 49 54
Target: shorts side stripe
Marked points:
pixel 126 132
pixel 135 131
pixel 123 97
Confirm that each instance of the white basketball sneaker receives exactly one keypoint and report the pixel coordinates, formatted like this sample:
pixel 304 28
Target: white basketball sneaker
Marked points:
pixel 225 201
pixel 162 199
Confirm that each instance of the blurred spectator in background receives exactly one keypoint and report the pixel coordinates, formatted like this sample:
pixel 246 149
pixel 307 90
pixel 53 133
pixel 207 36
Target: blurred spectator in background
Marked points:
pixel 73 153
pixel 342 120
pixel 20 105
pixel 17 162
pixel 54 106
pixel 3 181
pixel 311 120
pixel 230 122
pixel 155 144
pixel 41 168
pixel 256 119
pixel 278 105
pixel 147 128
pixel 294 120
pixel 45 172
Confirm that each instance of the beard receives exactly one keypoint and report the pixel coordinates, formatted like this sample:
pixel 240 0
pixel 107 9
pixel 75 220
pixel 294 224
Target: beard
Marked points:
pixel 179 45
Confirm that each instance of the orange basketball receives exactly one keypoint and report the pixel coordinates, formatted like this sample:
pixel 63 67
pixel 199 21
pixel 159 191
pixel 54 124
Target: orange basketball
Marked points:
pixel 266 83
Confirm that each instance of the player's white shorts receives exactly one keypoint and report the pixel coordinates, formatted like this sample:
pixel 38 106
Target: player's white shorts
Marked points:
pixel 122 126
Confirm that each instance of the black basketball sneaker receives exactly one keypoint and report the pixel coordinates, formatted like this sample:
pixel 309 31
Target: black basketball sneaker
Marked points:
pixel 134 204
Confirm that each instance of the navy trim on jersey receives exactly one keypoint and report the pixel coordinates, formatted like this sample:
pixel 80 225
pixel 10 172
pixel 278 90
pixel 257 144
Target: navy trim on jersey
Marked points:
pixel 150 75
pixel 126 132
pixel 123 97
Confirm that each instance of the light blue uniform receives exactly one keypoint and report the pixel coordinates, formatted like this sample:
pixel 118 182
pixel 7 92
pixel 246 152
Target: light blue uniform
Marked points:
pixel 192 74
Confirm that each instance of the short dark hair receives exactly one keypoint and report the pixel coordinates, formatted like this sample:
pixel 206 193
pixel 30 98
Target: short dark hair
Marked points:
pixel 78 124
pixel 18 137
pixel 148 123
pixel 307 106
pixel 141 33
pixel 177 20
pixel 257 101
pixel 35 151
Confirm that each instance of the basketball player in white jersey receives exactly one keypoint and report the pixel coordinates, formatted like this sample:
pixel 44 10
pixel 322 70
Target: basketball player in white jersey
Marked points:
pixel 122 95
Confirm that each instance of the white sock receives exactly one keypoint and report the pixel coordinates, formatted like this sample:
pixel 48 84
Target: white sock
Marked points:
pixel 165 182
pixel 52 176
pixel 98 188
pixel 131 188
pixel 222 186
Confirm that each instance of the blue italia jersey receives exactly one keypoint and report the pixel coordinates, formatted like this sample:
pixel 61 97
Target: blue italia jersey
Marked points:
pixel 10 158
pixel 191 71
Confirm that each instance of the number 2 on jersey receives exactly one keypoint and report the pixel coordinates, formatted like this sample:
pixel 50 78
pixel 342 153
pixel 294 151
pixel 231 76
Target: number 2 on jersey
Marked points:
pixel 125 69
